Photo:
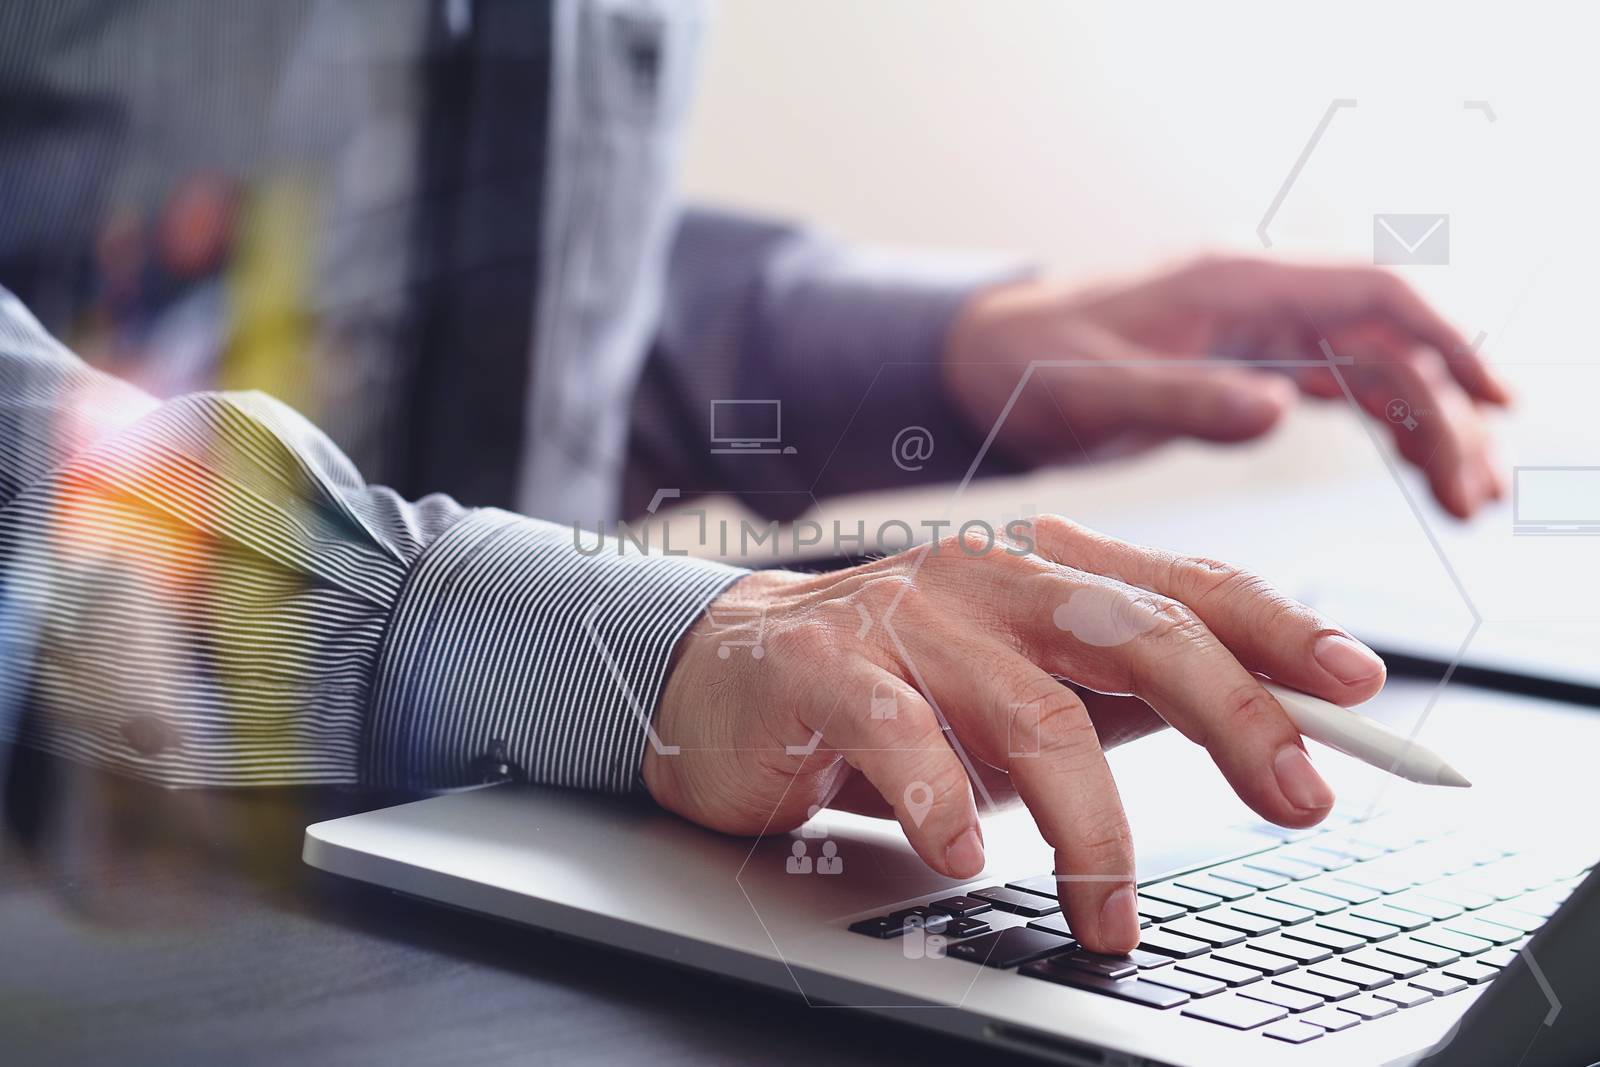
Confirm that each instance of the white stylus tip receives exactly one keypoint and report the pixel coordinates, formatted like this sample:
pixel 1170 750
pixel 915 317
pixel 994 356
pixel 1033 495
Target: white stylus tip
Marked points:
pixel 1448 775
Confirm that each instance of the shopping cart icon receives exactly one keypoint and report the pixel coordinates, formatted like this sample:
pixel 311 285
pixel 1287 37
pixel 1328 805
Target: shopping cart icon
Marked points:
pixel 738 621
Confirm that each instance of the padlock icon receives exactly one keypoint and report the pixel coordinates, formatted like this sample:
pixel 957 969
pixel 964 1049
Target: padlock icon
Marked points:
pixel 884 703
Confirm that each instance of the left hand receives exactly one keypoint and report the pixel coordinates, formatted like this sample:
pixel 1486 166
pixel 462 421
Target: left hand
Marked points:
pixel 1149 379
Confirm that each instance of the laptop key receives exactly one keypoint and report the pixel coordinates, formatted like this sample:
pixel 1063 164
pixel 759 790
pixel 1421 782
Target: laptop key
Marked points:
pixel 1368 978
pixel 1326 988
pixel 1407 996
pixel 1094 963
pixel 1279 865
pixel 1011 947
pixel 1201 930
pixel 1294 1031
pixel 1253 877
pixel 1339 889
pixel 1241 1013
pixel 1284 997
pixel 1053 924
pixel 1255 959
pixel 1365 929
pixel 957 928
pixel 1459 895
pixel 1287 914
pixel 1508 915
pixel 1471 972
pixel 1432 907
pixel 1043 885
pixel 933 922
pixel 1169 944
pixel 1159 910
pixel 1196 985
pixel 1176 894
pixel 1498 957
pixel 1229 973
pixel 1368 1007
pixel 881 927
pixel 1422 951
pixel 1203 882
pixel 1337 940
pixel 1473 926
pixel 1331 1018
pixel 1387 962
pixel 1299 951
pixel 1135 989
pixel 1300 897
pixel 1016 901
pixel 1147 961
pixel 1440 985
pixel 960 907
pixel 1242 920
pixel 1391 915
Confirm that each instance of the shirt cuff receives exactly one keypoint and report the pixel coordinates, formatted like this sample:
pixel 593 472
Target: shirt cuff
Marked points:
pixel 520 651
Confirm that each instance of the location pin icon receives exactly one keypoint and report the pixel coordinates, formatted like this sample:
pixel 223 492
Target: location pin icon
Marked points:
pixel 919 801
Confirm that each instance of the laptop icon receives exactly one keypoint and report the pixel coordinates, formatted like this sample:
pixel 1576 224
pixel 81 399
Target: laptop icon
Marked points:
pixel 1555 501
pixel 748 427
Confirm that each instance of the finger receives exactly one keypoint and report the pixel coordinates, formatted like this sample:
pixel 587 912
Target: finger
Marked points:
pixel 1161 651
pixel 1210 402
pixel 908 761
pixel 1449 442
pixel 1345 293
pixel 1428 326
pixel 1142 389
pixel 1269 633
pixel 1013 715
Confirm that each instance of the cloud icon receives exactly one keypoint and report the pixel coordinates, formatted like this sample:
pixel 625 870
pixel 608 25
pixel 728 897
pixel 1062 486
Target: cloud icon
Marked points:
pixel 1104 616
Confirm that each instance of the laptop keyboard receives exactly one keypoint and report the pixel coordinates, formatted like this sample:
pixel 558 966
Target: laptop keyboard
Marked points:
pixel 1331 929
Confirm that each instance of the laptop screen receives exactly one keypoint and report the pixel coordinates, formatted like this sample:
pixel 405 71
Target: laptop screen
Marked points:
pixel 745 420
pixel 1557 494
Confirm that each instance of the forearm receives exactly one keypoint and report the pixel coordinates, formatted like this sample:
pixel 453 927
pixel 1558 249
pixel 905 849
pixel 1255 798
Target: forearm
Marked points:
pixel 205 592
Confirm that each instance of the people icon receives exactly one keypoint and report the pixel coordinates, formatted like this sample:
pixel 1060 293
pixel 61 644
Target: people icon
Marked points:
pixel 830 862
pixel 798 862
pixel 813 826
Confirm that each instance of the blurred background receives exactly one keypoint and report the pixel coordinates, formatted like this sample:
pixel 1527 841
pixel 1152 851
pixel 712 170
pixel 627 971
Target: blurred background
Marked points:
pixel 1098 140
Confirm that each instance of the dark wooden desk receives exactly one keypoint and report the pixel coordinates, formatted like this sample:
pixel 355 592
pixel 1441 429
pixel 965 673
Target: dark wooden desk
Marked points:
pixel 139 926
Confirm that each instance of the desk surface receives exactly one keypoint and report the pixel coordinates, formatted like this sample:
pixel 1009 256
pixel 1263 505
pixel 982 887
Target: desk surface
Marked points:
pixel 134 932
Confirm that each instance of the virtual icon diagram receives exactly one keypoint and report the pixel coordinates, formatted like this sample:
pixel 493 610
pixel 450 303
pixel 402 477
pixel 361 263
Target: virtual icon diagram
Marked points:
pixel 1410 240
pixel 748 428
pixel 1555 501
pixel 1399 413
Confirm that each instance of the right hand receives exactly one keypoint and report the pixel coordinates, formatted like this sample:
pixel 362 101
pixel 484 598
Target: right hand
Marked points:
pixel 985 633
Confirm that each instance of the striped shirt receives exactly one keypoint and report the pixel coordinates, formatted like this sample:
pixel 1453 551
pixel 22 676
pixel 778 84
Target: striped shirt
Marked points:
pixel 204 592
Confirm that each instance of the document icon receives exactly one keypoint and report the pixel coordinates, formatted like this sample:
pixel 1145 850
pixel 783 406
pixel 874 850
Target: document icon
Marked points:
pixel 1410 240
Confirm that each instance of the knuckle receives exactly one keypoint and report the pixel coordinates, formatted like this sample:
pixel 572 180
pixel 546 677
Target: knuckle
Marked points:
pixel 1248 707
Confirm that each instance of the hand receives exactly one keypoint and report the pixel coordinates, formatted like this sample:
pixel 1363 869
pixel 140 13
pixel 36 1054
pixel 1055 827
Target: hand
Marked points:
pixel 1151 336
pixel 988 631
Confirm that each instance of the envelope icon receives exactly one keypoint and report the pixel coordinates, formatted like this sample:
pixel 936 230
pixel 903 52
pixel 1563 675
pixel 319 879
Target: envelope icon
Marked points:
pixel 1410 240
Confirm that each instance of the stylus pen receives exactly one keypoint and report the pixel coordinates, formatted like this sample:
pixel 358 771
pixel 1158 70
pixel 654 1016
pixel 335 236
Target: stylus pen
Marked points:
pixel 1356 735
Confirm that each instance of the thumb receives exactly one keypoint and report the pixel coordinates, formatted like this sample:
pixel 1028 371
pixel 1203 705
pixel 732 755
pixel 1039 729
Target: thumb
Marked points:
pixel 1214 403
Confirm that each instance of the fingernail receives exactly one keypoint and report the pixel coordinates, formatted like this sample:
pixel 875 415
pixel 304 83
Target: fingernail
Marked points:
pixel 1346 660
pixel 1300 781
pixel 1119 922
pixel 964 857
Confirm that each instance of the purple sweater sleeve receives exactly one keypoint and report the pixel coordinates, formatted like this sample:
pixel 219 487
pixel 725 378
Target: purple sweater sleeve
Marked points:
pixel 846 339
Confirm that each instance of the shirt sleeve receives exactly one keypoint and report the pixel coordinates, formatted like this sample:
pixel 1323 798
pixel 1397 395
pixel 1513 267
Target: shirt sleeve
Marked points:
pixel 847 338
pixel 203 592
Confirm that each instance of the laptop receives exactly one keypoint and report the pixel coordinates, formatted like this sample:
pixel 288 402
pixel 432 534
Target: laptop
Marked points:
pixel 1414 926
pixel 1555 501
